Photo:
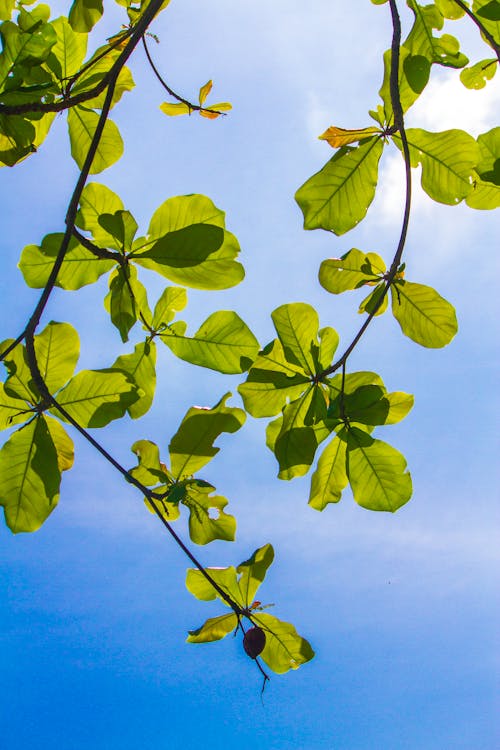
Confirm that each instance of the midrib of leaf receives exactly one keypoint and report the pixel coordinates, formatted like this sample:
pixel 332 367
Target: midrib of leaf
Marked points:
pixel 418 309
pixel 438 159
pixel 374 472
pixel 303 353
pixel 348 177
pixel 25 472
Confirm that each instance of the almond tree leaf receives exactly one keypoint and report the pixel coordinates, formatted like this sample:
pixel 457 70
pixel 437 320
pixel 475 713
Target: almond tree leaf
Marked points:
pixel 253 571
pixel 338 196
pixel 12 410
pixel 223 343
pixel 285 649
pixel 476 76
pixel 204 92
pixel 95 397
pixel 330 477
pixel 69 49
pixel 31 477
pixel 444 50
pixel 489 14
pixel 201 588
pixel 192 446
pixel 450 9
pixel 150 471
pixel 448 160
pixel 79 267
pixel 207 519
pixel 488 167
pixel 351 271
pixel 377 473
pixel 126 300
pixel 369 304
pixel 179 108
pixel 213 629
pixel 95 200
pixel 57 350
pixel 140 365
pixel 166 509
pixel 414 70
pixel 297 328
pixel 296 442
pixel 329 341
pixel 63 444
pixel 271 382
pixel 82 124
pixel 173 299
pixel 19 384
pixel 84 14
pixel 122 226
pixel 338 137
pixel 424 316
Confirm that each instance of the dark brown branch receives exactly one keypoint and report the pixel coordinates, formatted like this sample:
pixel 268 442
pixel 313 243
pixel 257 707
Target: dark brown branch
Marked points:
pixel 491 39
pixel 398 127
pixel 193 107
pixel 99 252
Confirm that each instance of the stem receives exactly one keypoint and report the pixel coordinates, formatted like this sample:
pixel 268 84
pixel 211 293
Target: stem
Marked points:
pixel 99 252
pixel 398 127
pixel 491 39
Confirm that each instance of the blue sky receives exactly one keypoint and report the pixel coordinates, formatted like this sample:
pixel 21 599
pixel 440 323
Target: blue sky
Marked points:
pixel 400 608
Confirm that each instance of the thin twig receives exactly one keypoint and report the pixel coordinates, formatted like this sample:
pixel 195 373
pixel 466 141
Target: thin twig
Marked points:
pixel 193 107
pixel 398 127
pixel 99 252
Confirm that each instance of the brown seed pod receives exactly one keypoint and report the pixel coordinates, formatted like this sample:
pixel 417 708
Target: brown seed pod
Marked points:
pixel 254 641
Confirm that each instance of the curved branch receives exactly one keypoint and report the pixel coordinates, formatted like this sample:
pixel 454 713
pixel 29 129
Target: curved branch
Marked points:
pixel 491 39
pixel 398 127
pixel 99 252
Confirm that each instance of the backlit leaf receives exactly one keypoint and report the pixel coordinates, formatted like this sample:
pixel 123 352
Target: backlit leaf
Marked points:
pixel 445 49
pixel 192 446
pixel 126 300
pixel 377 473
pixel 173 299
pixel 253 571
pixel 95 397
pixel 82 124
pixel 141 367
pixel 285 649
pixel 29 490
pixel 350 271
pixel 207 519
pixel 338 137
pixel 223 343
pixel 178 108
pixel 338 196
pixel 476 76
pixel 424 316
pixel 213 629
pixel 84 14
pixel 57 350
pixel 297 328
pixel 330 478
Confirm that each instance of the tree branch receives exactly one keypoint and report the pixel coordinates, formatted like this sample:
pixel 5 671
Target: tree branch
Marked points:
pixel 491 39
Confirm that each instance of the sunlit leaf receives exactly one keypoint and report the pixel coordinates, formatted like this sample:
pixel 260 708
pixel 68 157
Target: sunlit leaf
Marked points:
pixel 127 300
pixel 424 316
pixel 150 471
pixel 84 14
pixel 338 137
pixel 204 92
pixel 173 299
pixel 477 75
pixel 178 108
pixel 192 446
pixel 95 397
pixel 377 473
pixel 350 271
pixel 207 519
pixel 141 367
pixel 444 49
pixel 253 571
pixel 223 343
pixel 213 629
pixel 297 328
pixel 338 196
pixel 69 49
pixel 29 490
pixel 82 124
pixel 285 649
pixel 201 588
pixel 19 383
pixel 330 477
pixel 97 199
pixel 62 442
pixel 57 350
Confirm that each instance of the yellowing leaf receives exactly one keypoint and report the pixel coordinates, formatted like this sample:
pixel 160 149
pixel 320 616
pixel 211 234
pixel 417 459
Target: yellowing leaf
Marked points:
pixel 175 109
pixel 215 110
pixel 338 137
pixel 204 92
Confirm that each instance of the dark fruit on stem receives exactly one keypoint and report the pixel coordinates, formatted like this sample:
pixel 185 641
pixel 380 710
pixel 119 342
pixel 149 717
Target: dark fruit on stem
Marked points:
pixel 254 641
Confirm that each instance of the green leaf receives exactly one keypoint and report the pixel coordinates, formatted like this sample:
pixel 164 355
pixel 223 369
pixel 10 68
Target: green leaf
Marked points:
pixel 329 341
pixel 184 211
pixel 29 490
pixel 330 477
pixel 377 473
pixel 68 51
pixel 350 271
pixel 19 383
pixel 179 108
pixel 192 445
pixel 79 267
pixel 285 649
pixel 450 9
pixel 486 188
pixel 201 588
pixel 6 9
pixel 84 14
pixel 253 571
pixel 369 304
pixel 476 76
pixel 122 226
pixel 97 199
pixel 448 160
pixel 424 316
pixel 444 50
pixel 82 124
pixel 126 300
pixel 271 382
pixel 150 471
pixel 99 66
pixel 12 410
pixel 172 301
pixel 62 442
pixel 297 328
pixel 370 405
pixel 489 11
pixel 164 508
pixel 95 397
pixel 223 343
pixel 338 196
pixel 140 365
pixel 57 351
pixel 213 629
pixel 207 520
pixel 414 71
pixel 296 442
